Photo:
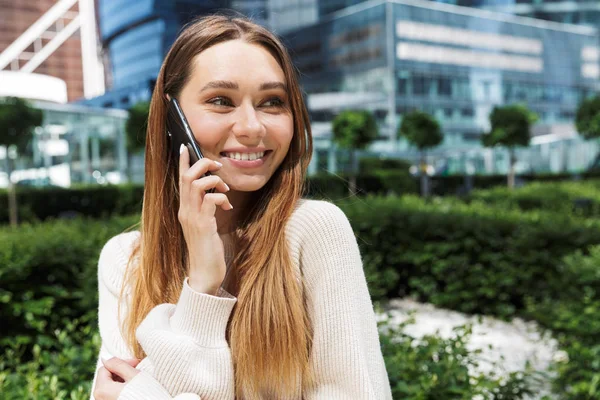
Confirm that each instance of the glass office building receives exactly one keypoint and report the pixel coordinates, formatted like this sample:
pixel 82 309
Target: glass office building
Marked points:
pixel 74 144
pixel 137 35
pixel 455 63
pixel 580 12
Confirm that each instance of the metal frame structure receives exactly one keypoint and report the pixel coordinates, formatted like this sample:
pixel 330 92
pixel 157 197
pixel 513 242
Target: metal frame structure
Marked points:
pixel 57 25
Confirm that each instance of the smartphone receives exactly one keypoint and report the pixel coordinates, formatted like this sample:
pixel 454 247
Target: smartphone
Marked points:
pixel 179 132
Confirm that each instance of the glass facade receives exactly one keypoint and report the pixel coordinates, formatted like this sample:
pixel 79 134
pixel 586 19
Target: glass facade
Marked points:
pixel 580 12
pixel 137 35
pixel 452 62
pixel 75 144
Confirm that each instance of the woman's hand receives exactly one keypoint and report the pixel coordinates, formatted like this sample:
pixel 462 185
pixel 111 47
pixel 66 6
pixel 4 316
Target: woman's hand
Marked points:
pixel 113 377
pixel 196 215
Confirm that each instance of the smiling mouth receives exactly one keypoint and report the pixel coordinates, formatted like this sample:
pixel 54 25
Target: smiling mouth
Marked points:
pixel 246 156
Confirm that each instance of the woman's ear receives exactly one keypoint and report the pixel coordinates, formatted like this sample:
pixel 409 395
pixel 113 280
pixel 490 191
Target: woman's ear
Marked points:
pixel 168 97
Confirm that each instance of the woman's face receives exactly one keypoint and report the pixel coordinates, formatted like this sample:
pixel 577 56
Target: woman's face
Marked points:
pixel 237 105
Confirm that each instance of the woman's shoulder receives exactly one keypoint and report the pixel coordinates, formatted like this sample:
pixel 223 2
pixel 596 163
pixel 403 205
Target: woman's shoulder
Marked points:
pixel 316 217
pixel 114 257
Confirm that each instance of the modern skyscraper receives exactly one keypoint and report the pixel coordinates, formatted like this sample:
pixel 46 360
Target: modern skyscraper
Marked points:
pixel 456 63
pixel 579 12
pixel 137 35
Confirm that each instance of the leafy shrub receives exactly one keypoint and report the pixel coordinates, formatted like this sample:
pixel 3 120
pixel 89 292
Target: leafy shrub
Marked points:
pixel 574 316
pixel 436 368
pixel 579 198
pixel 57 367
pixel 49 272
pixel 468 258
pixel 85 200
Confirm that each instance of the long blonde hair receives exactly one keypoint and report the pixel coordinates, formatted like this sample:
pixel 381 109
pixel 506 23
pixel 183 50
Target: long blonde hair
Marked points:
pixel 269 331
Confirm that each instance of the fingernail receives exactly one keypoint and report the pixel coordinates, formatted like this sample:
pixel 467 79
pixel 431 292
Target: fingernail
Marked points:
pixel 181 148
pixel 226 186
pixel 231 207
pixel 218 164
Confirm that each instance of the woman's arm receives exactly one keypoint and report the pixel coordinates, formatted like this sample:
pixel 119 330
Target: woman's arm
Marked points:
pixel 167 350
pixel 346 354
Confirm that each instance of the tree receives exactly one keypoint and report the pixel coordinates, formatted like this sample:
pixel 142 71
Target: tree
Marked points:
pixel 424 132
pixel 352 130
pixel 135 128
pixel 587 121
pixel 510 127
pixel 17 121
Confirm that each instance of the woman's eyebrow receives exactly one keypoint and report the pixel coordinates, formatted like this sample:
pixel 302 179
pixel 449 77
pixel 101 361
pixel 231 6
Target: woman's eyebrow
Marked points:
pixel 273 85
pixel 220 85
pixel 235 86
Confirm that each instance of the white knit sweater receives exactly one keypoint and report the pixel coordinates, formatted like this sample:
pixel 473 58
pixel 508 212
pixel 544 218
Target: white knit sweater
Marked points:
pixel 187 354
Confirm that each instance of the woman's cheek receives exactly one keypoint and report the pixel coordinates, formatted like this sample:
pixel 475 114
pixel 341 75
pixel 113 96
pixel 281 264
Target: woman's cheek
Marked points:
pixel 209 131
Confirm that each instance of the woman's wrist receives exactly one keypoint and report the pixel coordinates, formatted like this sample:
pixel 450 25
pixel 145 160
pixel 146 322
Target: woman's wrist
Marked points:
pixel 202 287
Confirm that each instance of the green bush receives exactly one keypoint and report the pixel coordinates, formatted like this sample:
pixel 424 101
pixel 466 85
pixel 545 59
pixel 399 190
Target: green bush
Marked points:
pixel 60 366
pixel 469 258
pixel 49 272
pixel 95 201
pixel 578 198
pixel 574 317
pixel 436 368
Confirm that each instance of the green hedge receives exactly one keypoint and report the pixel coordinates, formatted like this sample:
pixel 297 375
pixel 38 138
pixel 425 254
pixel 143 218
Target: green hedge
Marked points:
pixel 110 200
pixel 92 201
pixel 579 198
pixel 467 257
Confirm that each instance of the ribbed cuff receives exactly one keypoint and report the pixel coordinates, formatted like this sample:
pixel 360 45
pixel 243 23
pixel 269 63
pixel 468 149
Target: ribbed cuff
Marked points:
pixel 202 316
pixel 144 387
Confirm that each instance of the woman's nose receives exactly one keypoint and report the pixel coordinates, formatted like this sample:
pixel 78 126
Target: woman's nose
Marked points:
pixel 247 122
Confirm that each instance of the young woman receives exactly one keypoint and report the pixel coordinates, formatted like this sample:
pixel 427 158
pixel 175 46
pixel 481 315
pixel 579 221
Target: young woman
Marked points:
pixel 246 291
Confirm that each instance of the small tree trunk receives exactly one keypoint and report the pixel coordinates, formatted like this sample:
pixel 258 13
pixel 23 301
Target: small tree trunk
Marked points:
pixel 511 170
pixel 423 175
pixel 12 195
pixel 352 180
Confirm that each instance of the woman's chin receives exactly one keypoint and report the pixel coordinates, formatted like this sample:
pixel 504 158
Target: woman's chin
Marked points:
pixel 247 184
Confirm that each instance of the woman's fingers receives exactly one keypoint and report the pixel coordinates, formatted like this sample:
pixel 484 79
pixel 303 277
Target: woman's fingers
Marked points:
pixel 120 368
pixel 105 388
pixel 211 201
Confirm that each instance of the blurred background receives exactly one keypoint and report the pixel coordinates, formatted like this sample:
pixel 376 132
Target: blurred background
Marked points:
pixel 461 138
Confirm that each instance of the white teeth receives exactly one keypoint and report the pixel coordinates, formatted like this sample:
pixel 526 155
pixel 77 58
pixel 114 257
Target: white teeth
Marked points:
pixel 245 156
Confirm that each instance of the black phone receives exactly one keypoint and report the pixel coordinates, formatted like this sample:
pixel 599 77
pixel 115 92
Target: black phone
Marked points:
pixel 179 132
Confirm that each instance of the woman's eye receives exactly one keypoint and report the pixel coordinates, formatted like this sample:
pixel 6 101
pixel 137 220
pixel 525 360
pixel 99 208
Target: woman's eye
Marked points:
pixel 273 102
pixel 220 101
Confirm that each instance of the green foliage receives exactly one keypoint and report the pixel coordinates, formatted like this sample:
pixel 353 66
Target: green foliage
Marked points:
pixel 576 198
pixel 17 120
pixel 511 126
pixel 587 119
pixel 574 316
pixel 436 368
pixel 136 126
pixel 421 129
pixel 469 258
pixel 38 204
pixel 354 129
pixel 480 257
pixel 370 164
pixel 48 273
pixel 58 366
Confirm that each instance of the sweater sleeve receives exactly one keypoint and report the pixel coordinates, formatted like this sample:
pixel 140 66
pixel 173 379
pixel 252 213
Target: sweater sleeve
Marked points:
pixel 346 354
pixel 111 267
pixel 186 346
